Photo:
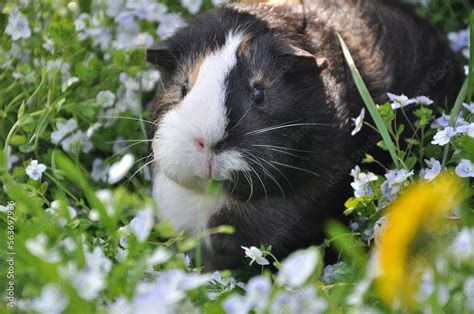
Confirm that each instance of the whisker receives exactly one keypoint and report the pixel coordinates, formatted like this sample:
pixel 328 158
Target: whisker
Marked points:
pixel 287 153
pixel 296 168
pixel 128 141
pixel 123 149
pixel 285 148
pixel 133 175
pixel 130 118
pixel 268 173
pixel 260 179
pixel 285 126
pixel 241 119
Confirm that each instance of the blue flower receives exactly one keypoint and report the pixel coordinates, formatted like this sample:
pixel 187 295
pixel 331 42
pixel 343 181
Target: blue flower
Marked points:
pixel 433 171
pixel 399 101
pixel 465 168
pixel 423 100
pixel 459 40
pixel 466 129
pixel 17 26
pixel 395 180
pixel 361 184
pixel 443 137
pixel 105 98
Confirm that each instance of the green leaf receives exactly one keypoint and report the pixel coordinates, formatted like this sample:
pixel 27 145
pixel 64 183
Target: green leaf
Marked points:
pixel 410 162
pixel 213 187
pixel 369 103
pixel 345 242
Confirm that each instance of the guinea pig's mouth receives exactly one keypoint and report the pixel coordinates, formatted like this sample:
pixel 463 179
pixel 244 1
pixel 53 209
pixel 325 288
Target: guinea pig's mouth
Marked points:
pixel 200 184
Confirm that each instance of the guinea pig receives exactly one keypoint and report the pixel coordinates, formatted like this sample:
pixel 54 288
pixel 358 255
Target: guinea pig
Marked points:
pixel 259 98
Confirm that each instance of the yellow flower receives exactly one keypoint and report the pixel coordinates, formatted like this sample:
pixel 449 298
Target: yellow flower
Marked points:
pixel 414 219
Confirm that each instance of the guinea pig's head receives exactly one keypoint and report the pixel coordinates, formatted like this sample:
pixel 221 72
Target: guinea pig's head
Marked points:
pixel 239 104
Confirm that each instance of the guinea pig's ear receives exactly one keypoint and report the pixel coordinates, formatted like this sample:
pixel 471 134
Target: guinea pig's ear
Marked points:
pixel 161 55
pixel 308 59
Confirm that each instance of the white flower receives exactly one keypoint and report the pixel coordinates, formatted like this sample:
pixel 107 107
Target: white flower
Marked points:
pixel 55 211
pixel 51 301
pixel 443 137
pixel 17 26
pixel 459 40
pixel 258 292
pixel 433 171
pixel 143 41
pixel 396 179
pixel 89 283
pixel 219 2
pixel 11 159
pixel 426 288
pixel 114 7
pixel 236 304
pixel 169 23
pixel 106 198
pixel 163 294
pixel 94 215
pixel 358 122
pixel 35 170
pixel 38 248
pixel 192 6
pixel 97 261
pixel 68 244
pixel 99 170
pixel 121 254
pixel 48 45
pixel 361 184
pixel 68 83
pixel 67 137
pixel 399 101
pixel 128 94
pixel 149 79
pixel 185 259
pixel 469 107
pixel 120 306
pixel 155 11
pixel 63 130
pixel 468 290
pixel 297 268
pixel 466 129
pixel 159 256
pixel 72 6
pixel 141 225
pixel 255 255
pixel 463 245
pixel 119 169
pixel 105 98
pixel 423 100
pixel 465 168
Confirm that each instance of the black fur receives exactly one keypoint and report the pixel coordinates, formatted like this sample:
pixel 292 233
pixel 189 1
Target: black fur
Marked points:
pixel 395 51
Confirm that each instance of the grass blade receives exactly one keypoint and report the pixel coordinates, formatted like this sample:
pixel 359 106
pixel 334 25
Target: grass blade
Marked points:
pixel 369 103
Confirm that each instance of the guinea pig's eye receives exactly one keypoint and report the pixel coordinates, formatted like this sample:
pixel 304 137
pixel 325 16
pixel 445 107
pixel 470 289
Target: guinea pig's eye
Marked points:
pixel 184 89
pixel 258 93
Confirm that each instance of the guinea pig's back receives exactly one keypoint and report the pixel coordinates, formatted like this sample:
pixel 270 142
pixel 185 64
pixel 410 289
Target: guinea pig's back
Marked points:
pixel 395 50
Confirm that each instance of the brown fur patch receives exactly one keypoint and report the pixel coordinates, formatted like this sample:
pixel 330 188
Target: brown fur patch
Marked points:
pixel 195 71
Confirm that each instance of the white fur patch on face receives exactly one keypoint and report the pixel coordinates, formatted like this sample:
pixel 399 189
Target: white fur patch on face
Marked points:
pixel 202 115
pixel 183 168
